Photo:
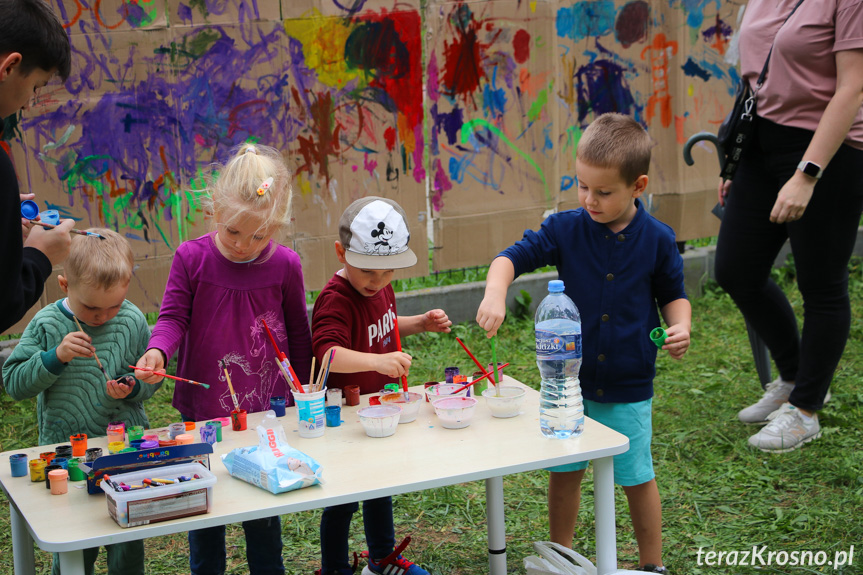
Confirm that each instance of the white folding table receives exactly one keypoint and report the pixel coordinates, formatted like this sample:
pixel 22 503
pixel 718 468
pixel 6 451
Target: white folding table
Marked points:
pixel 424 455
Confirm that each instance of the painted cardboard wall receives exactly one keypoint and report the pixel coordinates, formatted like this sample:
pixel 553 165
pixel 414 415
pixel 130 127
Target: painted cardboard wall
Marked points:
pixel 467 113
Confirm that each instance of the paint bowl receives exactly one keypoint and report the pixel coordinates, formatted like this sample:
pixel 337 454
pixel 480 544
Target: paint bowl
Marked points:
pixel 507 404
pixel 410 405
pixel 380 420
pixel 440 390
pixel 454 412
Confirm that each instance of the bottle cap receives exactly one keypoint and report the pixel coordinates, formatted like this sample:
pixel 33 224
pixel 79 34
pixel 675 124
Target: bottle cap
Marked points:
pixel 29 209
pixel 555 286
pixel 657 336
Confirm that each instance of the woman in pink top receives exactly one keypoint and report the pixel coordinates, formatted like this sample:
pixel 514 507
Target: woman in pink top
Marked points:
pixel 800 179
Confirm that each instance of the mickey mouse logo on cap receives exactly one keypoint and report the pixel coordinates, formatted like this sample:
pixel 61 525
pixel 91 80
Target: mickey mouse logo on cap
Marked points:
pixel 375 234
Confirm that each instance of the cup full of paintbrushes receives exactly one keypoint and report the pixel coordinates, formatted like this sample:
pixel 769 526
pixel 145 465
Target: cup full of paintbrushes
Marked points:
pixel 311 415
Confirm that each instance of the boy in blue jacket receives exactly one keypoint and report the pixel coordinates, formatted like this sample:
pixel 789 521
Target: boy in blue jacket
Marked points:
pixel 618 264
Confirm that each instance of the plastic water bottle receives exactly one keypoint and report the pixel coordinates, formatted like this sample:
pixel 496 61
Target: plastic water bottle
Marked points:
pixel 558 357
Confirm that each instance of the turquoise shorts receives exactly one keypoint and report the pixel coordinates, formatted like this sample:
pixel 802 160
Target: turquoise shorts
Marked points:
pixel 633 420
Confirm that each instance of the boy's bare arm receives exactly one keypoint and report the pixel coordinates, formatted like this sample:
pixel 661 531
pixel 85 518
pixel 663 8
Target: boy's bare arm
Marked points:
pixel 394 364
pixel 432 320
pixel 492 309
pixel 678 317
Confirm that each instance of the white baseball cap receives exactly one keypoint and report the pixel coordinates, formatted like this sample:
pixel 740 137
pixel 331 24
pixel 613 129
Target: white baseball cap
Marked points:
pixel 375 234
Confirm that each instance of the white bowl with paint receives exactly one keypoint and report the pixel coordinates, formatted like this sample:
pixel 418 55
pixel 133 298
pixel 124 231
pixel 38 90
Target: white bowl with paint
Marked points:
pixel 507 404
pixel 380 420
pixel 454 412
pixel 410 405
pixel 440 390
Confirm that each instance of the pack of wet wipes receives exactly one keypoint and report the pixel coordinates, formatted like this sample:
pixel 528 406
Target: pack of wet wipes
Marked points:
pixel 273 464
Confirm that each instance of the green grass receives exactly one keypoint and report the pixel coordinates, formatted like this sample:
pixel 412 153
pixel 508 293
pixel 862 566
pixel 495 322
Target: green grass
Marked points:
pixel 717 492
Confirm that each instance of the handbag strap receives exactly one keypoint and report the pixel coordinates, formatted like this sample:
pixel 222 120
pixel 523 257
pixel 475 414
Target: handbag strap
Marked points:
pixel 763 74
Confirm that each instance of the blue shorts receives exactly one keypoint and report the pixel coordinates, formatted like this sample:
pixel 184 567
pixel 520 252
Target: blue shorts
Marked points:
pixel 634 420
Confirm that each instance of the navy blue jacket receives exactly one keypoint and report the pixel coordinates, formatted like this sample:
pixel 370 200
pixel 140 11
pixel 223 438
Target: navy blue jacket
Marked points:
pixel 618 281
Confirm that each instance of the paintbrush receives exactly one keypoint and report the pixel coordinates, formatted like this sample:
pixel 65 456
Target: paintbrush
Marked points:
pixel 230 387
pixel 99 363
pixel 174 377
pixel 312 371
pixel 480 378
pixel 476 361
pixel 327 373
pixel 494 363
pixel 284 364
pixel 72 231
pixel 399 346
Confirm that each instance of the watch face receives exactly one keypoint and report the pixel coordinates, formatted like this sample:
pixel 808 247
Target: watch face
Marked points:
pixel 810 169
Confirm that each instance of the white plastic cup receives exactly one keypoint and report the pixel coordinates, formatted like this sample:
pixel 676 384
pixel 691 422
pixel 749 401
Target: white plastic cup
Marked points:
pixel 310 413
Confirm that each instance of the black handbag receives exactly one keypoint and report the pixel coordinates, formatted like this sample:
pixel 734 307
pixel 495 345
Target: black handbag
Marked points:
pixel 735 133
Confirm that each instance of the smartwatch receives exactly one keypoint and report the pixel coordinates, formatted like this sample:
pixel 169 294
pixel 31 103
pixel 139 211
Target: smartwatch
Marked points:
pixel 811 169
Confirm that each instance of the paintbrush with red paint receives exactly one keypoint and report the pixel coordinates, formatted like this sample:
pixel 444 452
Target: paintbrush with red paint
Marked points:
pixel 476 361
pixel 480 378
pixel 174 377
pixel 284 364
pixel 399 346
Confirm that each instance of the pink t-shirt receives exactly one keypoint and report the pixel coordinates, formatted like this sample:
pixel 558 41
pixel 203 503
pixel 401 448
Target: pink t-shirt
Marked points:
pixel 801 77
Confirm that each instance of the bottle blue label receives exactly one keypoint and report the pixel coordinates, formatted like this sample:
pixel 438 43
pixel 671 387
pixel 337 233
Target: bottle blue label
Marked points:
pixel 550 345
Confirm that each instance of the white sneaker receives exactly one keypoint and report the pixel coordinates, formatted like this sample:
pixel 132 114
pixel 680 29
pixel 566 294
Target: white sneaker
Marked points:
pixel 778 412
pixel 775 395
pixel 786 432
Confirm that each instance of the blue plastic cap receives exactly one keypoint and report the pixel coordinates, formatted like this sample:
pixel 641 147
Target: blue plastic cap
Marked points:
pixel 555 286
pixel 29 209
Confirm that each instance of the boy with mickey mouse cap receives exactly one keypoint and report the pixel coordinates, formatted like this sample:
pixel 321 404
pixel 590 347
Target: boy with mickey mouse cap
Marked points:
pixel 355 314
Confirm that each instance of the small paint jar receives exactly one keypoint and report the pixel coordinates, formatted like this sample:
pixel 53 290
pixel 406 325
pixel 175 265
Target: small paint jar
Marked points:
pixel 185 439
pixel 48 470
pixel 136 432
pixel 136 443
pixel 167 442
pixel 352 394
pixel 374 400
pixel 238 420
pixel 334 396
pixel 449 373
pixel 61 461
pixel 18 464
pixel 75 472
pixel 79 444
pixel 63 451
pixel 116 447
pixel 225 421
pixel 461 380
pixel 490 368
pixel 50 217
pixel 176 429
pixel 128 450
pixel 92 454
pixel 37 470
pixel 58 478
pixel 190 425
pixel 391 387
pixel 217 425
pixel 47 456
pixel 150 437
pixel 479 386
pixel 116 435
pixel 208 434
pixel 334 415
pixel 150 444
pixel 277 404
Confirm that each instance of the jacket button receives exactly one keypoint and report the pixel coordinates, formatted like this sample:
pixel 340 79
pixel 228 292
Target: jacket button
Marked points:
pixel 599 393
pixel 605 317
pixel 621 237
pixel 609 277
pixel 601 357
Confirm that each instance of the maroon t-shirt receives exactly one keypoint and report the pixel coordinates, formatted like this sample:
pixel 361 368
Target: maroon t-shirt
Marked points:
pixel 343 317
